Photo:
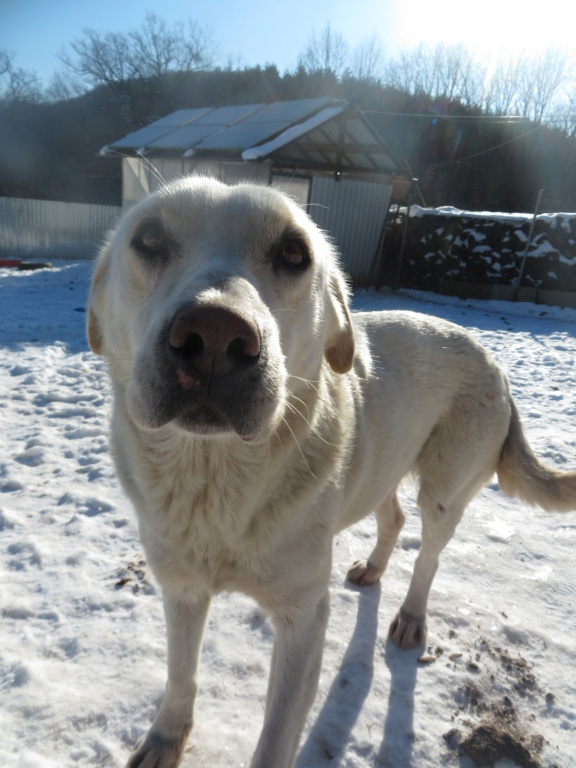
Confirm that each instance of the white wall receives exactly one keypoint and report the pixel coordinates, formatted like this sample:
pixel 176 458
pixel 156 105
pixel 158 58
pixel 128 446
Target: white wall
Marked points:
pixel 141 176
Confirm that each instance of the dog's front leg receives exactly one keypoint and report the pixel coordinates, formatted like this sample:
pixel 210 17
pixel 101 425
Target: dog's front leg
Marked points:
pixel 166 739
pixel 294 673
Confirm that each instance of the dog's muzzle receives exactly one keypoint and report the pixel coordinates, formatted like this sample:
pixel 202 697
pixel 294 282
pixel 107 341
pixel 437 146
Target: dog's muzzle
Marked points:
pixel 214 367
pixel 211 371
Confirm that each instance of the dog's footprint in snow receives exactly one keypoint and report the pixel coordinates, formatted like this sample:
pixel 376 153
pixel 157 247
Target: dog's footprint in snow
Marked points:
pixel 31 457
pixel 89 507
pixel 10 486
pixel 15 676
pixel 93 507
pixel 73 432
pixel 19 370
pixel 23 554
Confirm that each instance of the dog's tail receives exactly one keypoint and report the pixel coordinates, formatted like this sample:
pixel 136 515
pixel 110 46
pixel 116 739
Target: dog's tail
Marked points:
pixel 523 475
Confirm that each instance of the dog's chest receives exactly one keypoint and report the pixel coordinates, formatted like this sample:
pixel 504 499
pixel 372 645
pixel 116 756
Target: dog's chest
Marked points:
pixel 201 492
pixel 219 521
pixel 209 516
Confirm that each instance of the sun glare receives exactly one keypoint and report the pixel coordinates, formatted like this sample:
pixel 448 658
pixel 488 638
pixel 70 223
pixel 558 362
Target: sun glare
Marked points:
pixel 490 29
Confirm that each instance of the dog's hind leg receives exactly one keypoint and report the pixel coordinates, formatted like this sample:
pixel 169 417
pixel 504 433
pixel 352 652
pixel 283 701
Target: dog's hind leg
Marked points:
pixel 460 455
pixel 442 510
pixel 390 519
pixel 408 629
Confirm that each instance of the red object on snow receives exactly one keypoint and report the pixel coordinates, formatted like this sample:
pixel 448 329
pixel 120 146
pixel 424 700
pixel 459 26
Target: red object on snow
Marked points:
pixel 10 262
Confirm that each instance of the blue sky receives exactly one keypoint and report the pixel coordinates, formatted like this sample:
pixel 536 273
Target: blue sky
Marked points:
pixel 259 31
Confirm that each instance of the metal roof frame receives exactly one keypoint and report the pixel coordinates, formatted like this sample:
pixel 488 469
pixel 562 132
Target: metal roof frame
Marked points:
pixel 310 145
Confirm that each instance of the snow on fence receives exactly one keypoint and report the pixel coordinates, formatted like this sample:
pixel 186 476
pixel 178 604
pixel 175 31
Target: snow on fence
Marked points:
pixel 480 254
pixel 47 229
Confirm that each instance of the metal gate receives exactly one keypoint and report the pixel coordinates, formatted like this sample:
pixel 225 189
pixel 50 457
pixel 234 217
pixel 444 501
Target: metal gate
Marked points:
pixel 353 214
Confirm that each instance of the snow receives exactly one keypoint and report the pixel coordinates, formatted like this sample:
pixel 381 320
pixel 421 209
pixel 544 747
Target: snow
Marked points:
pixel 82 639
pixel 291 134
pixel 563 219
pixel 478 236
pixel 563 260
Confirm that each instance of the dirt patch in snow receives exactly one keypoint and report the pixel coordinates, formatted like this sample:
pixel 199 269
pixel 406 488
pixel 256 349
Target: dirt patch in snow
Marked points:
pixel 488 727
pixel 497 740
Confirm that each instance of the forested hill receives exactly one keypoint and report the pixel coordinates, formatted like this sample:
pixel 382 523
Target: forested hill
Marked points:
pixel 462 155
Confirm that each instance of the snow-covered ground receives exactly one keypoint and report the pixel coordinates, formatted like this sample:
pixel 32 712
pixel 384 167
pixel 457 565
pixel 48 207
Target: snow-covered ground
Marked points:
pixel 82 649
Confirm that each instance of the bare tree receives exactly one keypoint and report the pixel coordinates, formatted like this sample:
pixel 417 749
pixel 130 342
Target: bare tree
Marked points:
pixel 502 86
pixel 367 60
pixel 459 76
pixel 327 52
pixel 562 114
pixel 570 116
pixel 567 108
pixel 100 59
pixel 529 86
pixel 5 61
pixel 401 72
pixel 548 73
pixel 440 71
pixel 62 88
pixel 115 58
pixel 17 84
pixel 156 49
pixel 414 71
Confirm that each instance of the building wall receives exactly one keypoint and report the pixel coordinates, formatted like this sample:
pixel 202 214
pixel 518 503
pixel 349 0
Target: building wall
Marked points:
pixel 141 176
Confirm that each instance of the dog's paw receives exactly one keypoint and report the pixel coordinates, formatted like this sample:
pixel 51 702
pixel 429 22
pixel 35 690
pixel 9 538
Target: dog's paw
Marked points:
pixel 408 631
pixel 363 573
pixel 157 751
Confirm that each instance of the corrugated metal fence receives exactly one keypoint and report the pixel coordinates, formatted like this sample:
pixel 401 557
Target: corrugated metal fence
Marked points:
pixel 353 212
pixel 47 229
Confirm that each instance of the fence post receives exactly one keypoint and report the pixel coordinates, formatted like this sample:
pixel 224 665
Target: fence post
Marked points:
pixel 413 185
pixel 528 244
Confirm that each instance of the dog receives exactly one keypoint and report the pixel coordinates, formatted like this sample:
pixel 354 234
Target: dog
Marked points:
pixel 255 416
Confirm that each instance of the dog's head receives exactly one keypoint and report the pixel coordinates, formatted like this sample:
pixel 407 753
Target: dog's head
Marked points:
pixel 210 302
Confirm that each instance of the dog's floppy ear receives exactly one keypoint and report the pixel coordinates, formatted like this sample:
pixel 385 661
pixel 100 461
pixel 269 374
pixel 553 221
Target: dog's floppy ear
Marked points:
pixel 93 328
pixel 339 347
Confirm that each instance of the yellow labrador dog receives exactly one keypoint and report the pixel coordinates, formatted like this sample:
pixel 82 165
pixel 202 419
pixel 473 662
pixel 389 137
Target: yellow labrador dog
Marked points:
pixel 255 417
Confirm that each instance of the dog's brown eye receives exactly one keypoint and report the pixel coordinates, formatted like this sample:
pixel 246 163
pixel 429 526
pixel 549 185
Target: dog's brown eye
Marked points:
pixel 293 254
pixel 153 238
pixel 150 239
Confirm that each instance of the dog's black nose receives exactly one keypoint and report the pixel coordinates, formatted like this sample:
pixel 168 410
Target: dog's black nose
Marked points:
pixel 212 339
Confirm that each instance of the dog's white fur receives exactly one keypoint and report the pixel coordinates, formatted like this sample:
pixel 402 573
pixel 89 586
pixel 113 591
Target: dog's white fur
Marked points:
pixel 341 408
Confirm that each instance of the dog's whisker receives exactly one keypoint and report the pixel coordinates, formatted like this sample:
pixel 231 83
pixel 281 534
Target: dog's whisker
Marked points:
pixel 309 382
pixel 299 400
pixel 299 447
pixel 145 161
pixel 312 428
pixel 282 310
